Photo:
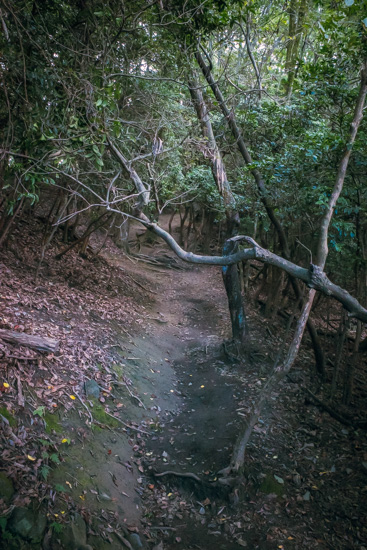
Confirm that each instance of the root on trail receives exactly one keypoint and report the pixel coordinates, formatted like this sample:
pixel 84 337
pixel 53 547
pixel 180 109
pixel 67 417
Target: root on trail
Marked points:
pixel 180 474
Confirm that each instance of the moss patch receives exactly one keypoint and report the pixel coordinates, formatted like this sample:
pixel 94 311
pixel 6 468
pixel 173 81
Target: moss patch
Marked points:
pixel 100 415
pixel 52 423
pixel 119 369
pixel 6 488
pixel 269 485
pixel 10 418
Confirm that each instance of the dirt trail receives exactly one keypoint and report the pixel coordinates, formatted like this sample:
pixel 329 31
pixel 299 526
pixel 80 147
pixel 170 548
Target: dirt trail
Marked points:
pixel 186 402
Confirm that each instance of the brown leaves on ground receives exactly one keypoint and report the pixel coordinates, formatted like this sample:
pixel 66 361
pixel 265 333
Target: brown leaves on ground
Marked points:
pixel 83 303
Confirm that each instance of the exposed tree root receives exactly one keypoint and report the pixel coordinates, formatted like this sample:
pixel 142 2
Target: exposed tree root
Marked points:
pixel 180 474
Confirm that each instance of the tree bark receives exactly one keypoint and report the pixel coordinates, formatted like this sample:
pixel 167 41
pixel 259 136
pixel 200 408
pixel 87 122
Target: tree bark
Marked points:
pixel 230 274
pixel 216 160
pixel 232 285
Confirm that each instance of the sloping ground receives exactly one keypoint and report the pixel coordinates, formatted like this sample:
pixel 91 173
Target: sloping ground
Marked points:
pixel 151 338
pixel 63 449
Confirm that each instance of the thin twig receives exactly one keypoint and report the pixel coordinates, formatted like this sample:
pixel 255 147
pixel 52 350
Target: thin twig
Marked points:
pixel 130 392
pixel 127 425
pixel 85 406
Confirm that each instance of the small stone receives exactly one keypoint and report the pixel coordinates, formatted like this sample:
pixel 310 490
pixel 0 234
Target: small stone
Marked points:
pixel 307 496
pixel 104 496
pixel 297 480
pixel 91 388
pixel 135 541
pixel 74 535
pixel 28 524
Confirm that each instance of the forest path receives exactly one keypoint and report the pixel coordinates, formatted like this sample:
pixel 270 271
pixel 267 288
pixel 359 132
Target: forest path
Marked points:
pixel 199 412
pixel 298 458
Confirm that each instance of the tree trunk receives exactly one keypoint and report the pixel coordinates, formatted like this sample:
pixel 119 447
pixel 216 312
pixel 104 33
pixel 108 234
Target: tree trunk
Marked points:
pixel 264 196
pixel 231 278
pixel 232 285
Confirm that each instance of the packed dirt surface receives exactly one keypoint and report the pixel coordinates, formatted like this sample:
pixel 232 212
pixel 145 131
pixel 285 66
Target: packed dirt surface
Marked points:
pixel 140 456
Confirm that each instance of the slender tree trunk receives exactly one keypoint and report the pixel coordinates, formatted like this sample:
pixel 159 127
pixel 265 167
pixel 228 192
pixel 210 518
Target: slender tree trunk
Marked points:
pixel 349 378
pixel 232 285
pixel 216 160
pixel 93 226
pixel 264 196
pixel 279 372
pixel 297 15
pixel 10 221
pixel 231 279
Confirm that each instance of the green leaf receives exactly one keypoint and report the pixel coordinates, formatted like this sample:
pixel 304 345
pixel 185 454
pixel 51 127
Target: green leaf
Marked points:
pixel 57 527
pixel 60 488
pixel 40 411
pixel 278 479
pixel 54 457
pixel 99 102
pixel 45 470
pixel 44 441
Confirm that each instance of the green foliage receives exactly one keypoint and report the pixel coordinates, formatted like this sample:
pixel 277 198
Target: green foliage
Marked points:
pixel 10 418
pixel 40 411
pixel 60 488
pixel 80 75
pixel 45 471
pixel 57 527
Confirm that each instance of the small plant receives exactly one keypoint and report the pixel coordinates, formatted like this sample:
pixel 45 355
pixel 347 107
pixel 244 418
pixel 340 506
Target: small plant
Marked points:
pixel 45 470
pixel 57 527
pixel 40 411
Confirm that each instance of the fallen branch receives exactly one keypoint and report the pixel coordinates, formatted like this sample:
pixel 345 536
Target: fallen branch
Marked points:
pixel 342 419
pixel 130 392
pixel 39 343
pixel 85 406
